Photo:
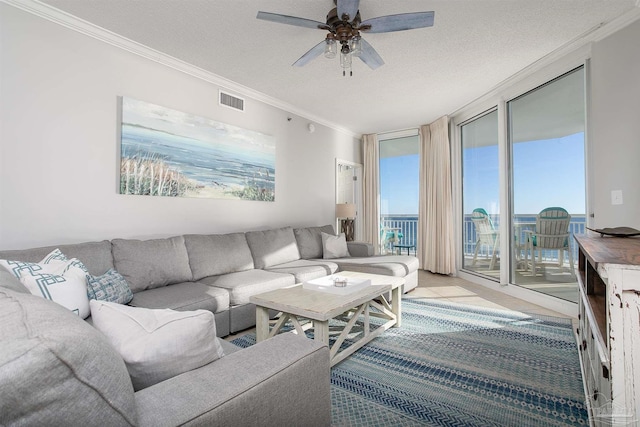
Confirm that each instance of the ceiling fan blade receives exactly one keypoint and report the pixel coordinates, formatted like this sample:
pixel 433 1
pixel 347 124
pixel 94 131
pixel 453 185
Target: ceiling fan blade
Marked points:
pixel 291 20
pixel 312 54
pixel 400 22
pixel 348 7
pixel 369 56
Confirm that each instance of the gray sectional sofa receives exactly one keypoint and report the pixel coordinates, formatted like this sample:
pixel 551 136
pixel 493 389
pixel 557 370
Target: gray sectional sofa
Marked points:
pixel 57 369
pixel 219 272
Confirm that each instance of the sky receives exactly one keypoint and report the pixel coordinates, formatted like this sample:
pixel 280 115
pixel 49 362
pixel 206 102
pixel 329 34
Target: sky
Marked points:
pixel 399 185
pixel 546 173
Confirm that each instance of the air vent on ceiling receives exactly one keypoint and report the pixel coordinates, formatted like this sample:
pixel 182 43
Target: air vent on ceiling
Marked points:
pixel 231 101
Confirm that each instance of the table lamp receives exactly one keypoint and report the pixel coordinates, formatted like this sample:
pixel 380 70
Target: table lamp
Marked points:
pixel 346 212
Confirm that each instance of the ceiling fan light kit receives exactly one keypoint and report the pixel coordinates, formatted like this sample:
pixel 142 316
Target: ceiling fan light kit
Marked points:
pixel 344 26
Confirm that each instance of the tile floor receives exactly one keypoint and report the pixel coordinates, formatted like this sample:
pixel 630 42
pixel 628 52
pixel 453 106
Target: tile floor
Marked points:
pixel 455 289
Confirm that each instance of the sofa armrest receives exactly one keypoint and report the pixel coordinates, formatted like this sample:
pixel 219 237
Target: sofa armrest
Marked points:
pixel 360 249
pixel 9 281
pixel 284 380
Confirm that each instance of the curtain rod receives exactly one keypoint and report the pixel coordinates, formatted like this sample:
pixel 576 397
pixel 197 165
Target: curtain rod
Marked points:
pixel 398 133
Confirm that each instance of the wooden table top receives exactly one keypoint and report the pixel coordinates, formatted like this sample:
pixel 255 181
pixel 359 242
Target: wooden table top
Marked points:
pixel 318 305
pixel 610 250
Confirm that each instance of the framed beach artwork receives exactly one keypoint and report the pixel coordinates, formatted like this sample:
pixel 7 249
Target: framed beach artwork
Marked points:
pixel 164 152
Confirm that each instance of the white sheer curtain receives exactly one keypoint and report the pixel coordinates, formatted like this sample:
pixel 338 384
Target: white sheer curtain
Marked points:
pixel 371 217
pixel 435 208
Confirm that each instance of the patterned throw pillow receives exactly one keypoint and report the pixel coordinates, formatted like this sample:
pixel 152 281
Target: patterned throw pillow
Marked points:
pixel 55 278
pixel 111 287
pixel 57 256
pixel 54 259
pixel 64 283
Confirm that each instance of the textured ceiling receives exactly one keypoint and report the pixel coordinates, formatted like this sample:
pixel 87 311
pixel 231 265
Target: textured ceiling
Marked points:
pixel 473 46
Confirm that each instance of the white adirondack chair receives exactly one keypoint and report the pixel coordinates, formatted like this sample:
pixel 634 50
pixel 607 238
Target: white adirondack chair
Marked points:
pixel 551 233
pixel 486 235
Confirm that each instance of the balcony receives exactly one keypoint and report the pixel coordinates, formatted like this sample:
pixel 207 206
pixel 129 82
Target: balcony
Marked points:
pixel 557 282
pixel 405 225
pixel 527 222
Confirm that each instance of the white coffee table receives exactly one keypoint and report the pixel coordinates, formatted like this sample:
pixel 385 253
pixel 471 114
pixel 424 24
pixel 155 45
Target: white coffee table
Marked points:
pixel 296 302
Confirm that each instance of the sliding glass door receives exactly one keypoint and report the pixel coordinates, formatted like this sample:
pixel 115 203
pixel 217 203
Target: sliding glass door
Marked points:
pixel 547 153
pixel 481 195
pixel 533 167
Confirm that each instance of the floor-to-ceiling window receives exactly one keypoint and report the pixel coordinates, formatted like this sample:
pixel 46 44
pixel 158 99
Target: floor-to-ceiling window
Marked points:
pixel 526 157
pixel 481 195
pixel 399 177
pixel 547 154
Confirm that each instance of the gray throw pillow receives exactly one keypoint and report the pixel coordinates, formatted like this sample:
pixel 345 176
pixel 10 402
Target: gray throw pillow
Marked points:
pixel 334 246
pixel 310 240
pixel 148 264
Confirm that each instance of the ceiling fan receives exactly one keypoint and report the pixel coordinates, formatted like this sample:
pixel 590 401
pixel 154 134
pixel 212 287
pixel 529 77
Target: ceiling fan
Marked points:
pixel 344 26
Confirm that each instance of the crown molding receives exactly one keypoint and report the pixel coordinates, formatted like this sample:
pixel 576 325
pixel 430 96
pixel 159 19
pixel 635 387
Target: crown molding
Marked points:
pixel 81 26
pixel 571 54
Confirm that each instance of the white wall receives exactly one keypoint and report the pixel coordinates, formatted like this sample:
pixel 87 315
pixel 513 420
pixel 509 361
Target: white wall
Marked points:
pixel 59 102
pixel 615 127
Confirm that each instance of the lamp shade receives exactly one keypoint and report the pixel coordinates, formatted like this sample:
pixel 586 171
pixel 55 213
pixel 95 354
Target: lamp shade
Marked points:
pixel 345 210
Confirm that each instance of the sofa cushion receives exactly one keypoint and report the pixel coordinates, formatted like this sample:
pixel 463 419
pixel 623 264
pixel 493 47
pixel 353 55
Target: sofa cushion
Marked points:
pixel 183 296
pixel 309 240
pixel 360 249
pixel 96 256
pixel 334 246
pixel 10 281
pixel 272 247
pixel 56 368
pixel 215 254
pixel 243 284
pixel 157 344
pixel 304 270
pixel 388 265
pixel 111 286
pixel 147 264
pixel 283 381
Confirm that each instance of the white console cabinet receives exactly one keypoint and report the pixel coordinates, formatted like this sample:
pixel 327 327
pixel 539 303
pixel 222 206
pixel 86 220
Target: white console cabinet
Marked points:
pixel 609 327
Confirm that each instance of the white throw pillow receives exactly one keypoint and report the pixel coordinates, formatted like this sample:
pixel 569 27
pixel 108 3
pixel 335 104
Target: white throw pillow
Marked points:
pixel 157 344
pixel 334 246
pixel 62 282
pixel 54 259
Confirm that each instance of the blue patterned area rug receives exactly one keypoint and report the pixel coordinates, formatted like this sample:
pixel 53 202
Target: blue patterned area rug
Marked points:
pixel 458 365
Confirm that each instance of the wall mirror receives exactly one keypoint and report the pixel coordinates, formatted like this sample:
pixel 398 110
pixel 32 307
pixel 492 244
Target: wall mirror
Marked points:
pixel 349 191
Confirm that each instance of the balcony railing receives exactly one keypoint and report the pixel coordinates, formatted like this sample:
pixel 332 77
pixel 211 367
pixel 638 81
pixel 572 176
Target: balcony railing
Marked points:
pixel 407 225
